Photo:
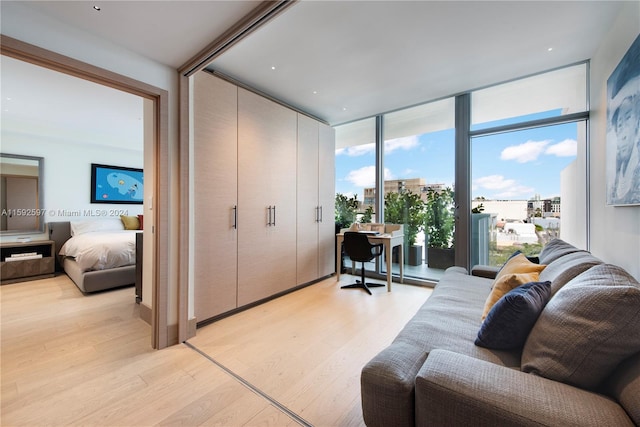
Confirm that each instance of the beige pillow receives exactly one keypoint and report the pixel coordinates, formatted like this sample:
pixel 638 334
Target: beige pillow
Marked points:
pixel 519 264
pixel 503 285
pixel 130 222
pixel 516 265
pixel 589 327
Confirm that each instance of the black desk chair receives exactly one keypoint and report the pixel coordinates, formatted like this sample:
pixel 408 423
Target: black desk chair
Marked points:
pixel 359 249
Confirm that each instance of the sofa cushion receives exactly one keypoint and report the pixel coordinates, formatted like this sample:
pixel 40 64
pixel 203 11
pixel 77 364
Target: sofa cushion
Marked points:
pixel 510 320
pixel 503 285
pixel 586 329
pixel 450 320
pixel 554 250
pixel 624 386
pixel 565 268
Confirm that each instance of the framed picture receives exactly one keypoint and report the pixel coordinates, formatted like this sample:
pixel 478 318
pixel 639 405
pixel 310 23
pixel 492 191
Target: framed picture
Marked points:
pixel 623 130
pixel 115 184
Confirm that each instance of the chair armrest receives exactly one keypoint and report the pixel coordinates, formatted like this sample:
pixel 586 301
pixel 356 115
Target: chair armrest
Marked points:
pixel 457 390
pixel 376 248
pixel 486 271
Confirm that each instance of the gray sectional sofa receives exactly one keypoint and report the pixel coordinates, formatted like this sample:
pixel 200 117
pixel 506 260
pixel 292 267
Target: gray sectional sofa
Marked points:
pixel 579 366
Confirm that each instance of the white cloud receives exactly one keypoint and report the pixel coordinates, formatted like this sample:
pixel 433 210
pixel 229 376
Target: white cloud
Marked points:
pixel 405 143
pixel 526 152
pixel 566 148
pixel 493 182
pixel 357 150
pixel 515 192
pixel 507 188
pixel 366 176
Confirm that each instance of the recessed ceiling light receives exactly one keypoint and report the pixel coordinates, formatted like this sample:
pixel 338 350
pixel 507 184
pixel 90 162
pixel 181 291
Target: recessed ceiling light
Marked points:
pixel 273 67
pixel 344 108
pixel 97 8
pixel 549 49
pixel 315 92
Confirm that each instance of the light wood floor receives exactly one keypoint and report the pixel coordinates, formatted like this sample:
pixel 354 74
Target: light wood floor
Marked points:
pixel 71 359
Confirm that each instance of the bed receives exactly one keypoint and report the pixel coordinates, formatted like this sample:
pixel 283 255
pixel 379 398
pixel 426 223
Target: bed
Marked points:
pixel 96 255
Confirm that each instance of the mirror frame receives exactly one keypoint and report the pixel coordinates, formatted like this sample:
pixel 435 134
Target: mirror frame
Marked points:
pixel 41 218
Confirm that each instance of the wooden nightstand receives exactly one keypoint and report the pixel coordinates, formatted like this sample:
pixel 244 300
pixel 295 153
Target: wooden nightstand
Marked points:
pixel 20 262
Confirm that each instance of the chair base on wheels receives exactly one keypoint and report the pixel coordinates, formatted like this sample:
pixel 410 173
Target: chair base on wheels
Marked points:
pixel 362 285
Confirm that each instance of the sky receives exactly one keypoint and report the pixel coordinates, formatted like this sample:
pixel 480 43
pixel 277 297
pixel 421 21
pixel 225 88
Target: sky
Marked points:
pixel 507 166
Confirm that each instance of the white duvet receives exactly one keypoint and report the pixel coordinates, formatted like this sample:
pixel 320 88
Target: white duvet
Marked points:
pixel 100 250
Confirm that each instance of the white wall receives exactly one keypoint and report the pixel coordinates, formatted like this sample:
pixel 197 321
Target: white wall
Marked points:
pixel 615 231
pixel 67 174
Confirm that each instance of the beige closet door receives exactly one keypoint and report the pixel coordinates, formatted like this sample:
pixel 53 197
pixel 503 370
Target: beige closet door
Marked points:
pixel 307 199
pixel 327 200
pixel 215 195
pixel 266 198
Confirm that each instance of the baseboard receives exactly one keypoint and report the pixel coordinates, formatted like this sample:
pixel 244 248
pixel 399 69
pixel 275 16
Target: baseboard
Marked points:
pixel 145 313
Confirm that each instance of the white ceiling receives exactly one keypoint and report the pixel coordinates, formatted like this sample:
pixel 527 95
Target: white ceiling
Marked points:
pixel 361 57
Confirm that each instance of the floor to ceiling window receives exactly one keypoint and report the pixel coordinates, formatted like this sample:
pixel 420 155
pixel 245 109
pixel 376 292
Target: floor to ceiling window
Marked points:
pixel 355 170
pixel 528 164
pixel 419 170
pixel 528 179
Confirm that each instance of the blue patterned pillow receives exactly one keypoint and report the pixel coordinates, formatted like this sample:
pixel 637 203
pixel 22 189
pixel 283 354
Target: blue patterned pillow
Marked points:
pixel 510 320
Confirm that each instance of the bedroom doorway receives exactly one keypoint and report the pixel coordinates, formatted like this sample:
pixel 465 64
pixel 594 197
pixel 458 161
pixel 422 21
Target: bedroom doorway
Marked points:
pixel 156 161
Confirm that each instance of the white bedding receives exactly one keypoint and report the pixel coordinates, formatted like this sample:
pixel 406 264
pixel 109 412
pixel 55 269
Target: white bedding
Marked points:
pixel 100 250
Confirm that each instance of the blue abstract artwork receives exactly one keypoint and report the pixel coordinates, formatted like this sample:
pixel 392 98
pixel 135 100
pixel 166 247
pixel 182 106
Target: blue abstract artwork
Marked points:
pixel 114 184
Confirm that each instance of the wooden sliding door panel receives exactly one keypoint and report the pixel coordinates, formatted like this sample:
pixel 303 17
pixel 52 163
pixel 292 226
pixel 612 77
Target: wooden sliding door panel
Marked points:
pixel 215 195
pixel 307 200
pixel 266 197
pixel 327 197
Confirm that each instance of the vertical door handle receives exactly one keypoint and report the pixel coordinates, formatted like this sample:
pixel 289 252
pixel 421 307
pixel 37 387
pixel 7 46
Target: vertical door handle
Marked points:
pixel 235 216
pixel 269 216
pixel 321 214
pixel 317 215
pixel 274 215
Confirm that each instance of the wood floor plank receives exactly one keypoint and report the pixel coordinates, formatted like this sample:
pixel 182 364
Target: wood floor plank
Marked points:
pixel 74 359
pixel 309 348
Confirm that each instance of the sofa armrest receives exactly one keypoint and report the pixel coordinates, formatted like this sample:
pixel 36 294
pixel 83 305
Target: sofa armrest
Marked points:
pixel 457 390
pixel 486 271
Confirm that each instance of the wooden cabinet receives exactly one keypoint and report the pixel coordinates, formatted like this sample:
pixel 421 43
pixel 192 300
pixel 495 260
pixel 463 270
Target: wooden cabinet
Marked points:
pixel 266 197
pixel 326 200
pixel 315 200
pixel 26 261
pixel 215 181
pixel 246 192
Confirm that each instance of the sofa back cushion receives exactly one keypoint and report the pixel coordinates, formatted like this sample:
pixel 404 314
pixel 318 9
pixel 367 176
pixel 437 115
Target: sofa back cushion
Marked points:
pixel 563 269
pixel 554 250
pixel 589 327
pixel 624 386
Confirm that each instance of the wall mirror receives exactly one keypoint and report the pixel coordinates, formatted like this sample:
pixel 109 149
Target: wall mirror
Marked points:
pixel 21 194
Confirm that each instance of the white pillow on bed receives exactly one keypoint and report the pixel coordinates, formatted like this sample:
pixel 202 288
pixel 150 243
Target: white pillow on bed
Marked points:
pixel 87 226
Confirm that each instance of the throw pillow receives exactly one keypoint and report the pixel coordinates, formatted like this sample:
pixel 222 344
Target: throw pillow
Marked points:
pixel 130 222
pixel 589 327
pixel 533 259
pixel 505 284
pixel 510 320
pixel 141 221
pixel 518 264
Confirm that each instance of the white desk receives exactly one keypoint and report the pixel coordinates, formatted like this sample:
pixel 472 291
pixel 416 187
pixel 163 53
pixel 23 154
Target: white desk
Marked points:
pixel 388 240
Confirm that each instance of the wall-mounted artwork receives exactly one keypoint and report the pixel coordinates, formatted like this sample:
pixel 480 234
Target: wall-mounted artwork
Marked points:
pixel 114 184
pixel 623 130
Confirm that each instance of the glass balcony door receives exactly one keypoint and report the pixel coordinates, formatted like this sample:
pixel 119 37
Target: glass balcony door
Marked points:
pixel 419 175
